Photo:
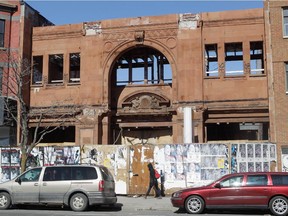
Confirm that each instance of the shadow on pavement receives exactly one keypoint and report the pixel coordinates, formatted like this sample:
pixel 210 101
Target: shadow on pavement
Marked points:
pixel 109 208
pixel 229 212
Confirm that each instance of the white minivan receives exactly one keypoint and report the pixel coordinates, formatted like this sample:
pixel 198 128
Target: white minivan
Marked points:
pixel 77 186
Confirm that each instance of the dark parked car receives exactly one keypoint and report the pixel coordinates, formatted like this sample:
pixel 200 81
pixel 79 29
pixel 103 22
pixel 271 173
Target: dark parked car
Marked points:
pixel 259 190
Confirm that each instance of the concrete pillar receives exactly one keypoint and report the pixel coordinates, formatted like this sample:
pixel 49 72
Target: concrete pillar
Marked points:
pixel 188 125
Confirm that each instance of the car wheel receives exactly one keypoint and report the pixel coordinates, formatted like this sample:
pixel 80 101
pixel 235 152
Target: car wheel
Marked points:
pixel 78 202
pixel 5 200
pixel 279 205
pixel 194 205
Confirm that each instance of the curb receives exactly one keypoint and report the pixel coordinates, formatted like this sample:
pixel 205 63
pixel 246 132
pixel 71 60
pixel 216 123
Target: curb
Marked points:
pixel 139 203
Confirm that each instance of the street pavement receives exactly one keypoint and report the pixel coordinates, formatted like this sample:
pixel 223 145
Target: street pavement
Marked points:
pixel 139 203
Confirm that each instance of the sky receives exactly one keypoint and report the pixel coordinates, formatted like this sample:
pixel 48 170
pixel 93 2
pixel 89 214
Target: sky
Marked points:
pixel 72 12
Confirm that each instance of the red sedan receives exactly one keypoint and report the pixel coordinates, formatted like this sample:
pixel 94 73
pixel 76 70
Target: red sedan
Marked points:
pixel 261 190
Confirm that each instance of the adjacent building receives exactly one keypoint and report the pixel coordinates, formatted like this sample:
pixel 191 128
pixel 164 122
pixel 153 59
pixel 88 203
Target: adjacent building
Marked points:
pixel 16 22
pixel 276 25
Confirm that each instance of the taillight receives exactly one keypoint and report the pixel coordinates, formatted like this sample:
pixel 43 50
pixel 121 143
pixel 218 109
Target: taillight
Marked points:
pixel 101 185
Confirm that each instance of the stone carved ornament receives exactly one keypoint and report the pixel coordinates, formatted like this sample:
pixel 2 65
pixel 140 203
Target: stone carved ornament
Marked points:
pixel 144 102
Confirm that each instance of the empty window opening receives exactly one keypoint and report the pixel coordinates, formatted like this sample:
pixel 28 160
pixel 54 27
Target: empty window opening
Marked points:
pixel 55 74
pixel 234 59
pixel 142 66
pixel 60 135
pixel 256 58
pixel 211 60
pixel 237 131
pixel 2 32
pixel 74 67
pixel 285 22
pixel 37 69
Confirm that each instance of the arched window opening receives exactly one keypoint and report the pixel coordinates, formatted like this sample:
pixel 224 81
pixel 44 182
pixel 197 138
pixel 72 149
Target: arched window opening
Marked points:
pixel 142 66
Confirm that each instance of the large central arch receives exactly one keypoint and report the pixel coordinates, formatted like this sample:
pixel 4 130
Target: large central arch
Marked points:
pixel 141 104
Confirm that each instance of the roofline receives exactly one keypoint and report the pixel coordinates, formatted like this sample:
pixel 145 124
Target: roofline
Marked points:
pixel 8 7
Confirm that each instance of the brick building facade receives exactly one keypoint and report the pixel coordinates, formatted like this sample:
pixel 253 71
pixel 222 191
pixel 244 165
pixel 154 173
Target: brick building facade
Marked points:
pixel 138 79
pixel 276 23
pixel 16 22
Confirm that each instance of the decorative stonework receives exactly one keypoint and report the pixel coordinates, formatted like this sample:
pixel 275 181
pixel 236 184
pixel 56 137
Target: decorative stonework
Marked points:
pixel 45 80
pixel 157 33
pixel 92 28
pixel 171 42
pixel 189 21
pixel 139 36
pixel 66 78
pixel 247 68
pixel 222 68
pixel 93 112
pixel 108 46
pixel 145 102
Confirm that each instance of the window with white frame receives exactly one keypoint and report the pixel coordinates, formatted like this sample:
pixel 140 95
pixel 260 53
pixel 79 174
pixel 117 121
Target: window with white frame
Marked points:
pixel 286 69
pixel 285 22
pixel 55 73
pixel 211 60
pixel 234 59
pixel 2 32
pixel 256 58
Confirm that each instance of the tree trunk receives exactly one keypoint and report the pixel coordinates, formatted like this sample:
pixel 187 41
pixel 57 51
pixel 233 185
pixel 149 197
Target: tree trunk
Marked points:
pixel 23 162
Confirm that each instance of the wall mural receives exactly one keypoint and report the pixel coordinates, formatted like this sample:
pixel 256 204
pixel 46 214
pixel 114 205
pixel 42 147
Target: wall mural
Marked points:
pixel 182 165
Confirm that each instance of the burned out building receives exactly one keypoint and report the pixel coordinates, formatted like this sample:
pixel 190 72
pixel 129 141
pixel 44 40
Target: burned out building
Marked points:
pixel 178 78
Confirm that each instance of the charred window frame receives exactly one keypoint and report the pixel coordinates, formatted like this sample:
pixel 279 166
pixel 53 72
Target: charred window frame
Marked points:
pixel 37 70
pixel 234 59
pixel 2 33
pixel 285 22
pixel 55 71
pixel 211 60
pixel 142 66
pixel 286 73
pixel 256 58
pixel 74 67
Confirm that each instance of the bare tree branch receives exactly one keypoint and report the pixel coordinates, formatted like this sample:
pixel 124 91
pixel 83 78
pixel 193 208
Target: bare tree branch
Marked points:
pixel 45 120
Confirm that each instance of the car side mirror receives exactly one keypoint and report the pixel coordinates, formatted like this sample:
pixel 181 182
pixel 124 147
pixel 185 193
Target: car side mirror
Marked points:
pixel 217 185
pixel 18 180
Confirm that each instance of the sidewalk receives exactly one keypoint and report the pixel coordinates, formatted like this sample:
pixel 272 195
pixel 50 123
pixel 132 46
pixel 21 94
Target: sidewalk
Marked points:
pixel 151 203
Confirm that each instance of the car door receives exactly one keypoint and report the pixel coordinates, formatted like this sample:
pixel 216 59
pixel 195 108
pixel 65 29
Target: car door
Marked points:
pixel 56 182
pixel 25 188
pixel 227 192
pixel 256 191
